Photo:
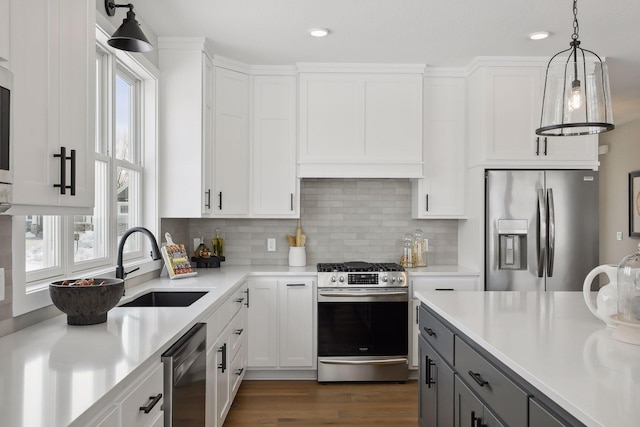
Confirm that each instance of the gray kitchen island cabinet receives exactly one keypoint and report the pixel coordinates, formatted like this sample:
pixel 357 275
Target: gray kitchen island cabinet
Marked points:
pixel 462 385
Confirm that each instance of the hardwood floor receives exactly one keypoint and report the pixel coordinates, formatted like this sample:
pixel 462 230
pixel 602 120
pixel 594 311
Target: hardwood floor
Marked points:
pixel 307 403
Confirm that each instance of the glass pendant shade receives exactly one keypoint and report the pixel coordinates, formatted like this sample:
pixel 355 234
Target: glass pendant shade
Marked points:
pixel 576 99
pixel 129 36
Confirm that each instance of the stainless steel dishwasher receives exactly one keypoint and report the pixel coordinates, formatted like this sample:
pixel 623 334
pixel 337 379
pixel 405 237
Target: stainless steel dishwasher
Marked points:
pixel 185 374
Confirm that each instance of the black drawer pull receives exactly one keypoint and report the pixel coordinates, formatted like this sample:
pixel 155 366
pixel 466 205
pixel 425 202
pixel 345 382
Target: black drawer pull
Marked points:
pixel 477 378
pixel 240 300
pixel 430 332
pixel 154 401
pixel 239 371
pixel 239 331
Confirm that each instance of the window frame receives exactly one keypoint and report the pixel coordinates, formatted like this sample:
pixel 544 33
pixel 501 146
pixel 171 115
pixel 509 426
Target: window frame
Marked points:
pixel 32 295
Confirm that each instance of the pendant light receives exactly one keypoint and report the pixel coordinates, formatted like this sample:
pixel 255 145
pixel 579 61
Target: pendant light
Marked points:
pixel 129 36
pixel 576 98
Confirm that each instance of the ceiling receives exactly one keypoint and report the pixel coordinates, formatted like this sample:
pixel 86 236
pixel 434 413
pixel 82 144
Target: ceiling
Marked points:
pixel 446 33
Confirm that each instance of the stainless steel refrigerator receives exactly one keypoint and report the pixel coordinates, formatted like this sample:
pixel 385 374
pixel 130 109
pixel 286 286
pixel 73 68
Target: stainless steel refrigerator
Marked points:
pixel 541 229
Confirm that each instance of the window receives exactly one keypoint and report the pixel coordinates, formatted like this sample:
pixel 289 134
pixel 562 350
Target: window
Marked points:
pixel 57 246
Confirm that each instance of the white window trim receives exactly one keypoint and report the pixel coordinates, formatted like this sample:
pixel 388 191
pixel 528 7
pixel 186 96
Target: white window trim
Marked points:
pixel 33 296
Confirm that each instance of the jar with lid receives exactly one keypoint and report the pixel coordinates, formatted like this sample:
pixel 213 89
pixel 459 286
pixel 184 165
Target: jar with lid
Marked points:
pixel 406 260
pixel 629 288
pixel 419 249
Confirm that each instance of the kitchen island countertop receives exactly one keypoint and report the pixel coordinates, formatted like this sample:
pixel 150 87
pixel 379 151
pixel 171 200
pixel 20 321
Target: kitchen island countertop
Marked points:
pixel 552 341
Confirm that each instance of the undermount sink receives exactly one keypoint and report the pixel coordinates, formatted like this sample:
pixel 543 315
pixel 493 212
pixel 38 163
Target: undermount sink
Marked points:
pixel 165 299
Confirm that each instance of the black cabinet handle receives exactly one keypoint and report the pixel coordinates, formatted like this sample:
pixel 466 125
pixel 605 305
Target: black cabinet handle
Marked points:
pixel 220 200
pixel 63 171
pixel 430 332
pixel 417 314
pixel 296 284
pixel 239 331
pixel 444 289
pixel 545 145
pixel 72 158
pixel 247 303
pixel 428 380
pixel 240 371
pixel 223 366
pixel 291 202
pixel 537 146
pixel 240 300
pixel 477 378
pixel 426 202
pixel 208 204
pixel 154 402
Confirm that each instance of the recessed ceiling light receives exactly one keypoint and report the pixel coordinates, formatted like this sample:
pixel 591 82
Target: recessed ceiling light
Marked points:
pixel 318 32
pixel 539 35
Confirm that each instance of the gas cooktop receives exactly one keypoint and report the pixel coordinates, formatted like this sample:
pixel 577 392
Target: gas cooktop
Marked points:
pixel 358 266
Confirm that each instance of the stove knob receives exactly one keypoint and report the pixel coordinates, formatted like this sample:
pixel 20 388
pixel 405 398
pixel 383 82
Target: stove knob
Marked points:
pixel 400 279
pixel 384 279
pixel 393 279
pixel 333 279
pixel 341 279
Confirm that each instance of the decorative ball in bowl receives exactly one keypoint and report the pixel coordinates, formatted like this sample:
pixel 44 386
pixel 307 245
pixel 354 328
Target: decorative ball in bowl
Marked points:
pixel 86 301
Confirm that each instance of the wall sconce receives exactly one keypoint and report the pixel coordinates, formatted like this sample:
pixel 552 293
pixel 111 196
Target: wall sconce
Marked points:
pixel 129 36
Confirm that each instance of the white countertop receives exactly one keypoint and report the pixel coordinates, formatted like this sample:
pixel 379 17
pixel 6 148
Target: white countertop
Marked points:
pixel 54 374
pixel 552 341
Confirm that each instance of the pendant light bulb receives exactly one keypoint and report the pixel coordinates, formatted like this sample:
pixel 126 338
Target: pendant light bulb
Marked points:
pixel 575 99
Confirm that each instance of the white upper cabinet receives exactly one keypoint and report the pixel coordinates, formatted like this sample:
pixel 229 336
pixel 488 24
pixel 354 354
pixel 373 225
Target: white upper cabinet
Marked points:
pixel 186 128
pixel 53 65
pixel 440 194
pixel 504 111
pixel 274 184
pixel 360 122
pixel 231 146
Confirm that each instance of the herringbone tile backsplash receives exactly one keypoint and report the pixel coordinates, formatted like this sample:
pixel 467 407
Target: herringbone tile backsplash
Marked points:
pixel 344 220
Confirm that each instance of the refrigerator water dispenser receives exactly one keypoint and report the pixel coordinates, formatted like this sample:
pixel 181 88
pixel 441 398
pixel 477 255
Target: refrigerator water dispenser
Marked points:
pixel 512 244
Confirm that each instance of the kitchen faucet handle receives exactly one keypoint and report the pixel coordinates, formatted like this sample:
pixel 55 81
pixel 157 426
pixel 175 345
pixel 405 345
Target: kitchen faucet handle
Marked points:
pixel 131 271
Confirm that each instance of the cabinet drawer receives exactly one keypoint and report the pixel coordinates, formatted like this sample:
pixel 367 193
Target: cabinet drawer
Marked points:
pixel 237 333
pixel 436 334
pixel 238 368
pixel 142 396
pixel 500 393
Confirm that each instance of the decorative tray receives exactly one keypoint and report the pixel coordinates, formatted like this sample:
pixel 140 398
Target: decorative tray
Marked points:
pixel 210 262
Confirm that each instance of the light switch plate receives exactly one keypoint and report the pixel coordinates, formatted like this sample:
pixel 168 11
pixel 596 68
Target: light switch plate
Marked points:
pixel 619 235
pixel 271 245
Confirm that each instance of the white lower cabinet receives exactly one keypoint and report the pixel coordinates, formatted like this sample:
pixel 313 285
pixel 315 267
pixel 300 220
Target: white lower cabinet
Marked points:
pixel 282 323
pixel 146 391
pixel 442 283
pixel 226 355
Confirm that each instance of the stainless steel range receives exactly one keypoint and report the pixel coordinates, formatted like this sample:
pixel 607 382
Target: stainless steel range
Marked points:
pixel 362 322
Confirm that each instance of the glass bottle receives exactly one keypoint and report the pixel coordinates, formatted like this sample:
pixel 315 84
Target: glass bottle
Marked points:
pixel 218 244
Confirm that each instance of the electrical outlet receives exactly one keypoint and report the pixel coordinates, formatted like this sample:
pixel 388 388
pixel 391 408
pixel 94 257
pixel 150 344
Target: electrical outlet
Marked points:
pixel 619 235
pixel 271 245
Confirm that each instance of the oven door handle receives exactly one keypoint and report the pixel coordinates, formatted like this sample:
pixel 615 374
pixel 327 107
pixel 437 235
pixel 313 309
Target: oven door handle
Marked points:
pixel 364 362
pixel 361 294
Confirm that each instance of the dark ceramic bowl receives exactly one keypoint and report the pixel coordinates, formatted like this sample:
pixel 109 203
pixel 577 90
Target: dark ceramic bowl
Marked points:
pixel 86 304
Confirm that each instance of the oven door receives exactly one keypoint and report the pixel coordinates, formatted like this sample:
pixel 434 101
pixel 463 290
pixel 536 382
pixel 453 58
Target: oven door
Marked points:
pixel 362 334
